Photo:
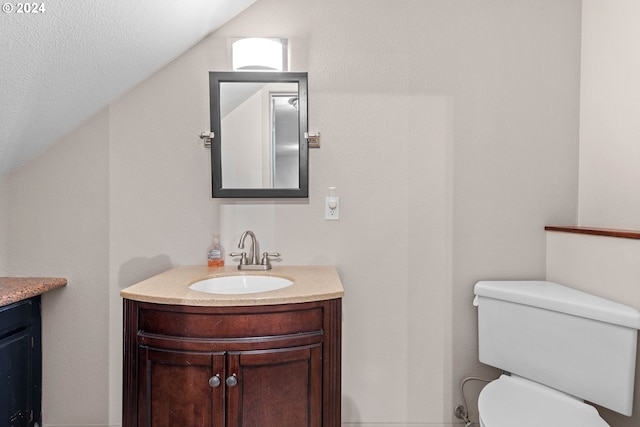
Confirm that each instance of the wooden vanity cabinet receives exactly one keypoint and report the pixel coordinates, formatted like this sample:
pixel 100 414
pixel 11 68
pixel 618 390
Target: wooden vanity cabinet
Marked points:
pixel 261 366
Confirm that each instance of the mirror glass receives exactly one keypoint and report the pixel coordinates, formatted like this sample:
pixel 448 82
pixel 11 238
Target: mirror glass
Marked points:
pixel 259 120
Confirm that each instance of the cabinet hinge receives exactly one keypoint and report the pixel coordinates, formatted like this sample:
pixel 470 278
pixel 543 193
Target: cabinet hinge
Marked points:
pixel 33 344
pixel 31 416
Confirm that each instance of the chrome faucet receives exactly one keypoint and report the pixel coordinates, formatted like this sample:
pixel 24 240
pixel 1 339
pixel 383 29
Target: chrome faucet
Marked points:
pixel 252 262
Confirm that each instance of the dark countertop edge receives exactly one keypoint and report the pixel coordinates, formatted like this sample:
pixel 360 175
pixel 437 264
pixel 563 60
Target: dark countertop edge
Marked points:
pixel 608 232
pixel 15 289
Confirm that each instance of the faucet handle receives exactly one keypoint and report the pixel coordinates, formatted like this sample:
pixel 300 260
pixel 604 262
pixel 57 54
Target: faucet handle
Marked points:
pixel 265 258
pixel 242 255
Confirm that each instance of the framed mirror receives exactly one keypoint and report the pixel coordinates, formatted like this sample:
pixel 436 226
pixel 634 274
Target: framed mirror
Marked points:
pixel 259 121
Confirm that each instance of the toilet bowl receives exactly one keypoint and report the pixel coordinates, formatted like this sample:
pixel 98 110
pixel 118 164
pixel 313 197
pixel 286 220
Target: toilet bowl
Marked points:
pixel 561 347
pixel 511 401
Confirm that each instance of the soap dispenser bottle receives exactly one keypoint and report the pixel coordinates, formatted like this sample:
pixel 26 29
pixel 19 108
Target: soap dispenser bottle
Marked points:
pixel 215 255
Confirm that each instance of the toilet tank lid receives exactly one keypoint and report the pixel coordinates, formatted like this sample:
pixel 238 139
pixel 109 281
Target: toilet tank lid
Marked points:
pixel 560 298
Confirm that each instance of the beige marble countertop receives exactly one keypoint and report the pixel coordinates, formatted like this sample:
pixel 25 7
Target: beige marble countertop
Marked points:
pixel 310 283
pixel 14 289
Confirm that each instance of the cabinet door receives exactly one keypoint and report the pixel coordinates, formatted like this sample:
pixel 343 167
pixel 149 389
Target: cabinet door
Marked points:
pixel 16 372
pixel 180 388
pixel 275 388
pixel 20 364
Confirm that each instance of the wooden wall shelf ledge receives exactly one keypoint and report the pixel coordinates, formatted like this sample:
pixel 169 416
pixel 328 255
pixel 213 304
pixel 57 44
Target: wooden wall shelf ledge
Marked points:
pixel 608 232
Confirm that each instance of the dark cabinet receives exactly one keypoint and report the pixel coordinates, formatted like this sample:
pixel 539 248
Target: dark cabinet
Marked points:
pixel 175 388
pixel 20 364
pixel 263 366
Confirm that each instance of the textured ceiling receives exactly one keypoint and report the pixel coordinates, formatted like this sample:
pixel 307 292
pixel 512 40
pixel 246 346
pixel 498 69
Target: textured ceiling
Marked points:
pixel 60 66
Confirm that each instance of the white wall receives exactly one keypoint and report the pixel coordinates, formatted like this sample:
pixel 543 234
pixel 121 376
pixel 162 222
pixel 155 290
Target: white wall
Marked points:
pixel 4 227
pixel 59 226
pixel 609 108
pixel 449 128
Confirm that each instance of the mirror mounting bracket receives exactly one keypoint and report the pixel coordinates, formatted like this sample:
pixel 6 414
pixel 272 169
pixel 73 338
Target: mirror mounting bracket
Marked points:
pixel 206 138
pixel 313 139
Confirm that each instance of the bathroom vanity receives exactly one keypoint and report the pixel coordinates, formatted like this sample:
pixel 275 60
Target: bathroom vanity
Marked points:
pixel 21 348
pixel 256 359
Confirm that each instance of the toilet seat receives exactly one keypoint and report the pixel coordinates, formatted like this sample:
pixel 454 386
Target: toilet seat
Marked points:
pixel 513 401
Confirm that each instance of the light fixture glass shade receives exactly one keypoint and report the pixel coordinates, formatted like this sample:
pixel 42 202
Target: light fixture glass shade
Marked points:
pixel 257 54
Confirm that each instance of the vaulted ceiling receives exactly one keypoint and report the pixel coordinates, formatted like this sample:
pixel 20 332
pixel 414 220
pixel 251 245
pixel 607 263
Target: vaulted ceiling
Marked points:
pixel 63 64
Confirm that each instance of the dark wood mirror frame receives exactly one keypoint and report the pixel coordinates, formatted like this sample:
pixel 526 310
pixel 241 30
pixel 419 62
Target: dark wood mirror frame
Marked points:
pixel 218 191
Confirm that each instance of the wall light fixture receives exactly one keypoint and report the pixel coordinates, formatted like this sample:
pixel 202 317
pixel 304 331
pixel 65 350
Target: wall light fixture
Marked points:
pixel 253 53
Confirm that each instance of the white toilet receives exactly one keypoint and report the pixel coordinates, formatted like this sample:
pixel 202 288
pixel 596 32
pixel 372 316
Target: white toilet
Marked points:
pixel 557 346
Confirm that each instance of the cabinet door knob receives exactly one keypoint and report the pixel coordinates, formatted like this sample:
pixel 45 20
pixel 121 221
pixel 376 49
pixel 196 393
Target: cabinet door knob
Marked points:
pixel 232 381
pixel 214 381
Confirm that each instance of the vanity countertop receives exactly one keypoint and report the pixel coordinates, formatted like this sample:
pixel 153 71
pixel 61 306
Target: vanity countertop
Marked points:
pixel 14 289
pixel 310 283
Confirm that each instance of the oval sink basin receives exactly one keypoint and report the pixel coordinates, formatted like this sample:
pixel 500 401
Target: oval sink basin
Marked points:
pixel 240 284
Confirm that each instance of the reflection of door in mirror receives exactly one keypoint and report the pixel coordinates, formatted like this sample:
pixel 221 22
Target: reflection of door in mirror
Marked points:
pixel 259 124
pixel 284 140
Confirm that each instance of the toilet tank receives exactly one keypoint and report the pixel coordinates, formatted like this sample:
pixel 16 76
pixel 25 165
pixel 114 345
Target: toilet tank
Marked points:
pixel 566 339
